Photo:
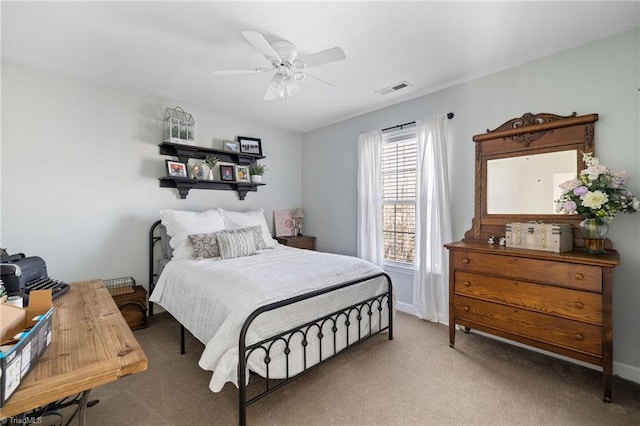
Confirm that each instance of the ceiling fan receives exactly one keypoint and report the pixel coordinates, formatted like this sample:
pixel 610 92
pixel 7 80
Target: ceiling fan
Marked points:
pixel 289 67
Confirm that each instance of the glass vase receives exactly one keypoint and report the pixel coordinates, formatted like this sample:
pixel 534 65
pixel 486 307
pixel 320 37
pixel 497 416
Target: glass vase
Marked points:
pixel 593 232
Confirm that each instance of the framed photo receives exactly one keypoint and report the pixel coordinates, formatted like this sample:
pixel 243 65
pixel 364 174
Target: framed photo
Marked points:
pixel 231 146
pixel 242 173
pixel 226 173
pixel 250 145
pixel 176 169
pixel 197 171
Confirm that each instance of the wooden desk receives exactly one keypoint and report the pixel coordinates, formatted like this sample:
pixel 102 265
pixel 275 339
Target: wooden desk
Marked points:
pixel 91 345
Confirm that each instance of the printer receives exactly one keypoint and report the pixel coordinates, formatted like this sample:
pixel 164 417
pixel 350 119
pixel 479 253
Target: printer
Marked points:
pixel 21 274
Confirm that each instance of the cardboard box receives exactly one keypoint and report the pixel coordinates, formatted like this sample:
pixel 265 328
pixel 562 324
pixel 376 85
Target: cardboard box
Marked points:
pixel 556 238
pixel 23 340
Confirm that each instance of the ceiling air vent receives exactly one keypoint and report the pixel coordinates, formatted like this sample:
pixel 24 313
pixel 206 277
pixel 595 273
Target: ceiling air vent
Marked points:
pixel 394 88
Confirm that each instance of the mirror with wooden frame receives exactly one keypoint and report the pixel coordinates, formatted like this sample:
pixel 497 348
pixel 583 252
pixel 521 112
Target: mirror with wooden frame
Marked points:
pixel 519 166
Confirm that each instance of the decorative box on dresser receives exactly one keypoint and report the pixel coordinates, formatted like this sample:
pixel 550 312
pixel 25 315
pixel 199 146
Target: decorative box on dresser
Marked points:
pixel 558 302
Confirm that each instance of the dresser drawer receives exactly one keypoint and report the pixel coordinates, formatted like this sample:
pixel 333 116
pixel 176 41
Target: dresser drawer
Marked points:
pixel 573 275
pixel 546 328
pixel 574 304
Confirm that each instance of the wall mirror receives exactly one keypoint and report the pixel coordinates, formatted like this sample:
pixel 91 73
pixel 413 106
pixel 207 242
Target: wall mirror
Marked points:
pixel 528 184
pixel 519 166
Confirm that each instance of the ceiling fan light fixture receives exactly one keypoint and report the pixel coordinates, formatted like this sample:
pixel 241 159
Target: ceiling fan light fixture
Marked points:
pixel 276 88
pixel 292 87
pixel 283 56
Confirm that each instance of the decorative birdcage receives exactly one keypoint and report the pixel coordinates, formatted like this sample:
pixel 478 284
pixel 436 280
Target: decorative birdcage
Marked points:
pixel 179 126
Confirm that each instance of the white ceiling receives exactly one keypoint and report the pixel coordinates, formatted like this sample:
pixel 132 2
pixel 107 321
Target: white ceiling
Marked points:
pixel 169 49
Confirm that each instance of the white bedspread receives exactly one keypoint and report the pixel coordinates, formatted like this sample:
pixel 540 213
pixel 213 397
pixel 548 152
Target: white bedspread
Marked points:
pixel 212 299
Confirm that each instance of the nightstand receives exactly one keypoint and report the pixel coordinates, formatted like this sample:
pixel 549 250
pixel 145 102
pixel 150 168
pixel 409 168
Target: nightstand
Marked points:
pixel 301 241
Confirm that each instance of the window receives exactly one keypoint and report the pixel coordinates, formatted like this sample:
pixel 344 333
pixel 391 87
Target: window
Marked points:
pixel 399 153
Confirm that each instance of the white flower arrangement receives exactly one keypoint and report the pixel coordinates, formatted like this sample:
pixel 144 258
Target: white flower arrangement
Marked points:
pixel 597 193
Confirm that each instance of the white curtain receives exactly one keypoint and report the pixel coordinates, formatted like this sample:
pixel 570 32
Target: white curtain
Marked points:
pixel 433 221
pixel 370 197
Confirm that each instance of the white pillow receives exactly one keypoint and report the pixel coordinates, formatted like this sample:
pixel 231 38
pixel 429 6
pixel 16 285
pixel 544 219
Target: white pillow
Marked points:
pixel 239 220
pixel 180 224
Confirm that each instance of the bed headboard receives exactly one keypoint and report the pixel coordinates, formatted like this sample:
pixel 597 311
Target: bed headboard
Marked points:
pixel 160 252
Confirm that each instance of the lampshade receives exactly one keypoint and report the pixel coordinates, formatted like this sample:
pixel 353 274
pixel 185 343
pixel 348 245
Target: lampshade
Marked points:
pixel 276 88
pixel 298 213
pixel 283 84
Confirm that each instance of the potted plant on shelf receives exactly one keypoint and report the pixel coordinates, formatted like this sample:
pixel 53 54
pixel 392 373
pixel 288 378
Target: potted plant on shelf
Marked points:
pixel 211 162
pixel 256 171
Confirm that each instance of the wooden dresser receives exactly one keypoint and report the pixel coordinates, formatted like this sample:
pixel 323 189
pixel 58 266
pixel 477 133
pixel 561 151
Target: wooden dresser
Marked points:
pixel 560 302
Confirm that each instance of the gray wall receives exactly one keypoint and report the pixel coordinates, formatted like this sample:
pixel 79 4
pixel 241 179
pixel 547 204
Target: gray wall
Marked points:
pixel 601 77
pixel 80 167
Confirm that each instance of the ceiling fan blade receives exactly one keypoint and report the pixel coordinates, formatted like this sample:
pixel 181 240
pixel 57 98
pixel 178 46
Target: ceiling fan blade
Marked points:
pixel 239 72
pixel 259 42
pixel 319 79
pixel 324 57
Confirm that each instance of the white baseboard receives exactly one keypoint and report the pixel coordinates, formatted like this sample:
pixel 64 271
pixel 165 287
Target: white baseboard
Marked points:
pixel 628 372
pixel 407 308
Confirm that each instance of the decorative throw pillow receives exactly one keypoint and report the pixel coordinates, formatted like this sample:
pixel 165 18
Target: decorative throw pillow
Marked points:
pixel 240 220
pixel 256 231
pixel 180 224
pixel 236 244
pixel 205 246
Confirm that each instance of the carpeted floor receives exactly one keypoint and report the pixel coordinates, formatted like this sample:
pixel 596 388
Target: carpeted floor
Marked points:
pixel 416 379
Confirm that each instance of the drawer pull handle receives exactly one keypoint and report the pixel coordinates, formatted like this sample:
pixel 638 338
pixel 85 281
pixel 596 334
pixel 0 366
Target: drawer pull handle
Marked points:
pixel 579 336
pixel 579 276
pixel 467 283
pixel 466 308
pixel 579 305
pixel 465 260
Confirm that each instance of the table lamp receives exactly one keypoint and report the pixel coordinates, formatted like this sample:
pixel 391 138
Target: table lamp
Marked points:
pixel 298 214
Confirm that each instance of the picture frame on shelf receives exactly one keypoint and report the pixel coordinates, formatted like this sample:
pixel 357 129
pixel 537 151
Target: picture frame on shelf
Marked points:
pixel 176 168
pixel 250 145
pixel 227 173
pixel 197 171
pixel 242 174
pixel 230 146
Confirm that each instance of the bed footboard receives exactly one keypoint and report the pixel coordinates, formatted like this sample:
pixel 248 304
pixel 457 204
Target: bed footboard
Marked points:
pixel 323 330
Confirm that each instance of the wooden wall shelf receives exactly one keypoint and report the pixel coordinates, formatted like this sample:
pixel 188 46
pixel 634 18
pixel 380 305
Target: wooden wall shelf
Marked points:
pixel 185 152
pixel 184 185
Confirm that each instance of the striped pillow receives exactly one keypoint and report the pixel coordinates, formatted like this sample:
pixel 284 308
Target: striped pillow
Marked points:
pixel 236 244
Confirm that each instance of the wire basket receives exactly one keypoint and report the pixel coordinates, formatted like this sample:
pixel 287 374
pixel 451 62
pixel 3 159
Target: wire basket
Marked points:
pixel 118 286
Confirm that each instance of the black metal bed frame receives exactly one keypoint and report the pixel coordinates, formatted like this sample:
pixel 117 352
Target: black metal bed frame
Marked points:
pixel 325 327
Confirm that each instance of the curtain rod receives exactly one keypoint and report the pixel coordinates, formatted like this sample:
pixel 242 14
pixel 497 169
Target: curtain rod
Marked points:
pixel 400 126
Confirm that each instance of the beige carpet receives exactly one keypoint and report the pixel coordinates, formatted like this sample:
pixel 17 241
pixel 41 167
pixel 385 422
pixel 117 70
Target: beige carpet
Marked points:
pixel 416 379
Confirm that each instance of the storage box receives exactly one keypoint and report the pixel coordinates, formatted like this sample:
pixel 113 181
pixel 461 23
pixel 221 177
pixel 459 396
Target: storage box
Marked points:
pixel 25 336
pixel 557 238
pixel 131 300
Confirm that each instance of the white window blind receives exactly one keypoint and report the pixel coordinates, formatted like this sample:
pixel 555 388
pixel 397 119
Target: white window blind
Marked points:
pixel 399 195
